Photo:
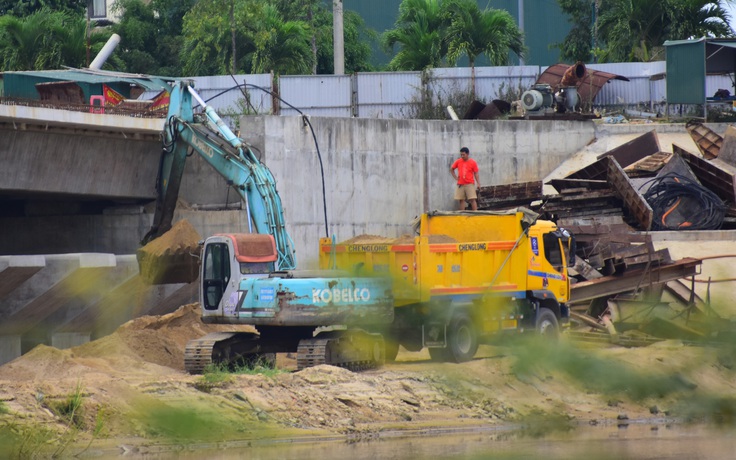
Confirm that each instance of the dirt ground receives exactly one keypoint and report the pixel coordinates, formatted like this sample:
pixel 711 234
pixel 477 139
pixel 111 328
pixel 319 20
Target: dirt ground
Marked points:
pixel 134 394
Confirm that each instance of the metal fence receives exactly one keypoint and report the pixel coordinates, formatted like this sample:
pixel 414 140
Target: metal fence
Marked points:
pixel 401 94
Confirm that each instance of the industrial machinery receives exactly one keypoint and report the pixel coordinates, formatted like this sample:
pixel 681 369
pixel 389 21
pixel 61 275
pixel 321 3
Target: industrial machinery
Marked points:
pixel 252 278
pixel 544 99
pixel 538 100
pixel 466 277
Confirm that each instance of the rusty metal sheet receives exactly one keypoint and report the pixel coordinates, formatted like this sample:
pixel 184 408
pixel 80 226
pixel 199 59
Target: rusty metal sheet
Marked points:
pixel 633 201
pixel 572 184
pixel 708 141
pixel 625 154
pixel 650 164
pixel 678 165
pixel 594 171
pixel 635 150
pixel 588 87
pixel 61 92
pixel 632 280
pixel 716 175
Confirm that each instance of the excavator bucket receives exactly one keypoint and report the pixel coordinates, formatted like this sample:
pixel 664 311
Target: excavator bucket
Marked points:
pixel 172 258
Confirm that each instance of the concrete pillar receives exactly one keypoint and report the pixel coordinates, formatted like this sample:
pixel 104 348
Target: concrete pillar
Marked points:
pixel 9 348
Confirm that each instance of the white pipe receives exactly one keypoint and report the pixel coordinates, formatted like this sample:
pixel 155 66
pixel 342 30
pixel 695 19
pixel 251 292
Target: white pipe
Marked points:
pixel 105 52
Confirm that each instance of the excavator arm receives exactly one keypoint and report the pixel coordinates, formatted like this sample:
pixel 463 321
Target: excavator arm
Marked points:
pixel 207 135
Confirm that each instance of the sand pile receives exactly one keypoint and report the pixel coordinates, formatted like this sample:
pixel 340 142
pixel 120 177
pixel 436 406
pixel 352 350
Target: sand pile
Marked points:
pixel 171 258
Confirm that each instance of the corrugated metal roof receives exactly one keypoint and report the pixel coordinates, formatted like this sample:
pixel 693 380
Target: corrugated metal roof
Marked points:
pixel 148 82
pixel 588 86
pixel 641 87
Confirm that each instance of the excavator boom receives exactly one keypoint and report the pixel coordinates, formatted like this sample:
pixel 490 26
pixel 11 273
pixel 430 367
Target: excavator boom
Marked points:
pixel 207 135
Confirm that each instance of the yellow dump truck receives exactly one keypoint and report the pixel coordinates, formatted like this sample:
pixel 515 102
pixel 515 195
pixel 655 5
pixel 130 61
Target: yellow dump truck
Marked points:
pixel 465 276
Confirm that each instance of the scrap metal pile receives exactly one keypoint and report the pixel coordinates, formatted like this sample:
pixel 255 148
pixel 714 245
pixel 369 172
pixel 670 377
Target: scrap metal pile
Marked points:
pixel 612 206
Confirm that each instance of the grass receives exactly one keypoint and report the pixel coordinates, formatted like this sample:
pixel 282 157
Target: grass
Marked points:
pixel 220 375
pixel 70 408
pixel 33 440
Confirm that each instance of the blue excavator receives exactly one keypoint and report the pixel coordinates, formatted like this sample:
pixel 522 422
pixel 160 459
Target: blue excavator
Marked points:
pixel 323 316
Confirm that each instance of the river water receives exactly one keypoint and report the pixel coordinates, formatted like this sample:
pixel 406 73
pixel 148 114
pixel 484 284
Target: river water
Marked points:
pixel 632 442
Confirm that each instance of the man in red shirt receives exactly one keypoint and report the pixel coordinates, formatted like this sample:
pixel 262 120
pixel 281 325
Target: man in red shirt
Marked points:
pixel 467 180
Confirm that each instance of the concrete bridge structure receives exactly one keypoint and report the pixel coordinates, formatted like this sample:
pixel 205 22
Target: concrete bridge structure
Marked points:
pixel 77 193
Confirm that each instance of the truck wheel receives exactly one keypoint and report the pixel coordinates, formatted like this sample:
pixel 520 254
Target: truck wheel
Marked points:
pixel 462 339
pixel 547 324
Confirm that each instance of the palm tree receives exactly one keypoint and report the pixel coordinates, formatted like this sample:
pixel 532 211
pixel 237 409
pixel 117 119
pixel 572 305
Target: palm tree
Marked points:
pixel 282 46
pixel 22 41
pixel 697 18
pixel 631 30
pixel 207 34
pixel 420 34
pixel 635 30
pixel 472 32
pixel 69 37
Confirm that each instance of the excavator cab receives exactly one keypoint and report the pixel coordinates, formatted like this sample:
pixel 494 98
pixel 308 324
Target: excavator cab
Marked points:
pixel 238 254
pixel 215 274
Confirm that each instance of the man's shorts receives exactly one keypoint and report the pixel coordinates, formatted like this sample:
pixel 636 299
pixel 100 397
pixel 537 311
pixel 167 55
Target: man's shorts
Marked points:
pixel 465 192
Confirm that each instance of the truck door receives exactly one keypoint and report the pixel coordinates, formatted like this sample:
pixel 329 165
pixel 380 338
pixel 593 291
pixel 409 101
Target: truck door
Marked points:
pixel 215 275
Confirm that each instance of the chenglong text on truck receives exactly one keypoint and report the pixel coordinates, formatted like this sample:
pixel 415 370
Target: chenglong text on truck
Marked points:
pixel 465 277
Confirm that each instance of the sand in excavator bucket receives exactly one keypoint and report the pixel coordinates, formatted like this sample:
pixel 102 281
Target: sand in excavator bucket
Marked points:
pixel 172 258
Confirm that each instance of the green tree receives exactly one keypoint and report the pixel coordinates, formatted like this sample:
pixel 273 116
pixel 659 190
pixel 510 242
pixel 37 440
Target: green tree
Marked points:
pixel 697 18
pixel 150 35
pixel 632 30
pixel 266 40
pixel 578 44
pixel 22 41
pixel 68 41
pixel 281 46
pixel 46 40
pixel 635 30
pixel 472 32
pixel 419 33
pixel 23 8
pixel 357 39
pixel 206 39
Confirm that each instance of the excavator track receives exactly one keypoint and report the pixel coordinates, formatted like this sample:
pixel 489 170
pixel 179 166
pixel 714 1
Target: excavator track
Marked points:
pixel 198 353
pixel 353 349
pixel 228 348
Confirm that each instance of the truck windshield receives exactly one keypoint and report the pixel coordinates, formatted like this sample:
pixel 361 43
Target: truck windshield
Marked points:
pixel 558 244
